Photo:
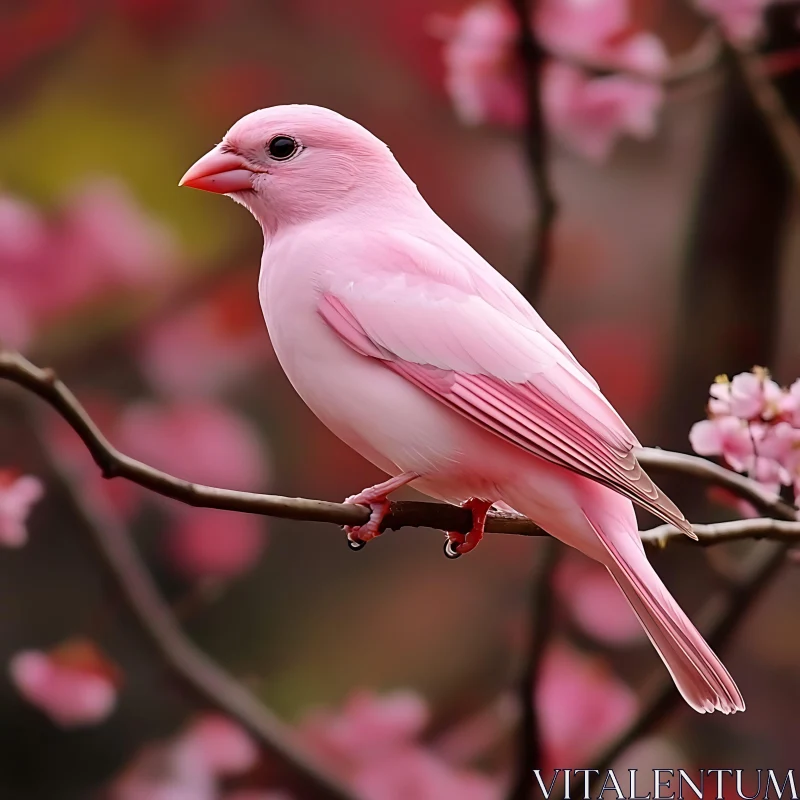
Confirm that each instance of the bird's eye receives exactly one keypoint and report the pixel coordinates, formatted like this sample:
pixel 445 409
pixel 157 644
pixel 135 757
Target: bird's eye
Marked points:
pixel 282 147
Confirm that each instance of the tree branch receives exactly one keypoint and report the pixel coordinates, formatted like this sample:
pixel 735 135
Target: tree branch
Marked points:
pixel 700 59
pixel 530 753
pixel 770 103
pixel 654 459
pixel 533 57
pixel 721 532
pixel 195 669
pixel 16 368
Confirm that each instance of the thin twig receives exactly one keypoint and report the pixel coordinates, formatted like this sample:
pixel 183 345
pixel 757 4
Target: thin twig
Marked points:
pixel 196 670
pixel 530 751
pixel 770 103
pixel 16 368
pixel 654 459
pixel 700 59
pixel 533 58
pixel 726 618
pixel 720 532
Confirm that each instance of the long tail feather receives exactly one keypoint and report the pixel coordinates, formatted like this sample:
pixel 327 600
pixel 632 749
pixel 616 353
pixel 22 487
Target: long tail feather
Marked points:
pixel 699 675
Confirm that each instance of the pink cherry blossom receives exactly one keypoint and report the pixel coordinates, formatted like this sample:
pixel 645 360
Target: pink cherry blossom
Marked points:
pixel 207 443
pixel 226 748
pixel 599 32
pixel 98 241
pixel 23 241
pixel 750 447
pixel 776 447
pixel 18 494
pixel 200 441
pixel 785 447
pixel 192 764
pixel 740 20
pixel 726 436
pixel 590 114
pixel 202 349
pixel 770 474
pixel 581 706
pixel 101 242
pixel 206 543
pixel 173 770
pixel 753 425
pixel 16 325
pixel 775 440
pixel 367 724
pixel 414 772
pixel 595 601
pixel 762 451
pixel 789 406
pixel 482 77
pixel 748 395
pixel 373 744
pixel 23 234
pixel 103 226
pixel 74 685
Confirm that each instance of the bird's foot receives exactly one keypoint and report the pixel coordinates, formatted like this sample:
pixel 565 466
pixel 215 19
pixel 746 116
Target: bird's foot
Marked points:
pixel 376 499
pixel 456 544
pixel 359 535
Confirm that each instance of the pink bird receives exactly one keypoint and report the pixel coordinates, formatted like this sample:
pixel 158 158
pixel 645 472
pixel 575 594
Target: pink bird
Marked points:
pixel 414 351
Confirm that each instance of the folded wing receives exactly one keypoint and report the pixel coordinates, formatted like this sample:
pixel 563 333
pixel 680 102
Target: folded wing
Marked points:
pixel 498 370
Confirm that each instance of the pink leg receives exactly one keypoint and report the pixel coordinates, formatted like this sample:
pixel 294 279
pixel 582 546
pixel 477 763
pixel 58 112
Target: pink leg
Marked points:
pixel 376 498
pixel 457 543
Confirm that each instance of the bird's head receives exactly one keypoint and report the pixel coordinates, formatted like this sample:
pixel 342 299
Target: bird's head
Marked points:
pixel 296 163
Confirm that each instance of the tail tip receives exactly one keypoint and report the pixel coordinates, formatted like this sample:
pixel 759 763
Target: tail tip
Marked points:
pixel 725 705
pixel 686 527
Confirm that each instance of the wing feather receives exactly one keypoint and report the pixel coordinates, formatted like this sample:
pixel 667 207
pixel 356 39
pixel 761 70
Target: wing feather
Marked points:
pixel 498 371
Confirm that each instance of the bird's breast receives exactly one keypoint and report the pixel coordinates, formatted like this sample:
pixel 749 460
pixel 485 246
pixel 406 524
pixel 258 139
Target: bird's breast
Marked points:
pixel 381 415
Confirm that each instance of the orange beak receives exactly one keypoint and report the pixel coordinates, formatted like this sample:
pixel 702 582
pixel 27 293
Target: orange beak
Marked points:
pixel 219 172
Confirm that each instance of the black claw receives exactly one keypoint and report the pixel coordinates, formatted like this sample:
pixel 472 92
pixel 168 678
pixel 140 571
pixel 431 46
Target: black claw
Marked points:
pixel 449 552
pixel 355 545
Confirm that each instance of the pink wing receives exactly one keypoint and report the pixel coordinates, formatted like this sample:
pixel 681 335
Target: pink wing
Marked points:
pixel 497 370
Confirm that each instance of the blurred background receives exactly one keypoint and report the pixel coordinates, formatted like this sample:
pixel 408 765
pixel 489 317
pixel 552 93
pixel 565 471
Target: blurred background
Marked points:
pixel 675 259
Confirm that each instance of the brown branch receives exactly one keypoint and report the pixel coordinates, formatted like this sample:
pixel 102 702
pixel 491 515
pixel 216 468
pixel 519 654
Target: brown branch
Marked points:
pixel 704 55
pixel 654 459
pixel 43 382
pixel 721 532
pixel 214 684
pixel 725 619
pixel 530 753
pixel 191 665
pixel 769 101
pixel 533 57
